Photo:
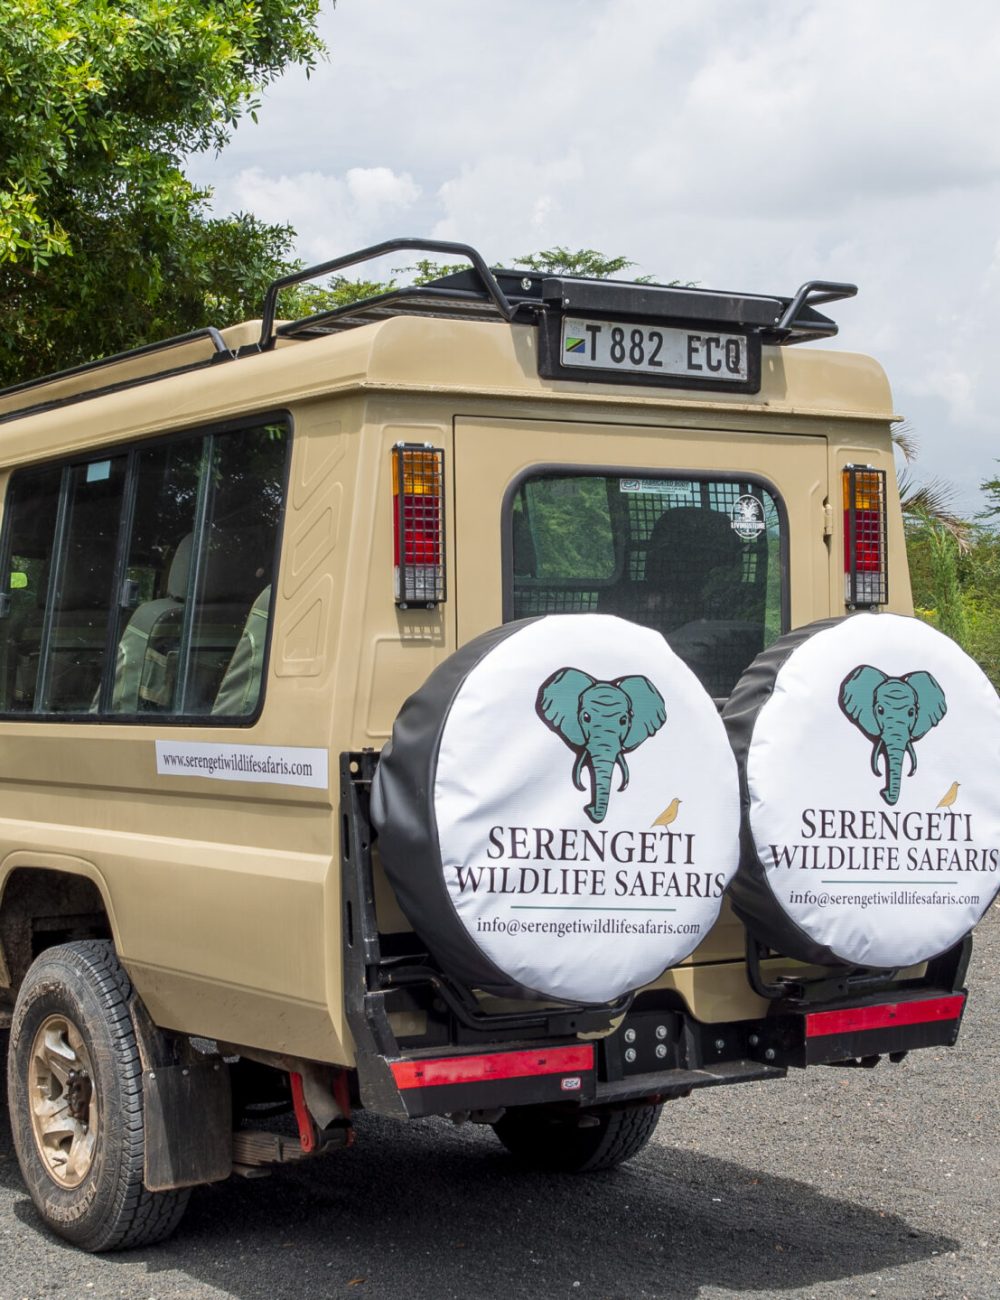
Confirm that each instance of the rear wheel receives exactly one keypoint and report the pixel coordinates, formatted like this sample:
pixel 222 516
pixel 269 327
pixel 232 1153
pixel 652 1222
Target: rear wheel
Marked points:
pixel 74 1079
pixel 558 1142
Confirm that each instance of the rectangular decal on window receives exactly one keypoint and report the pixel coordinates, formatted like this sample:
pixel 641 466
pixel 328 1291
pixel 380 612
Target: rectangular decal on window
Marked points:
pixel 661 486
pixel 270 764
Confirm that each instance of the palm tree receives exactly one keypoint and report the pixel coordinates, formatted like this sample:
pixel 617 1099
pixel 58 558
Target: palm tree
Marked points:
pixel 930 503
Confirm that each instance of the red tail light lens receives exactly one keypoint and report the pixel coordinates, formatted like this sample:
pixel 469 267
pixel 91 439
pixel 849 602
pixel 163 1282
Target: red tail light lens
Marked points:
pixel 865 572
pixel 418 525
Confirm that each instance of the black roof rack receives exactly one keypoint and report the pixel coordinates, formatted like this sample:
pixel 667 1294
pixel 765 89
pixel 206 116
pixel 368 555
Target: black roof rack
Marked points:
pixel 219 351
pixel 479 293
pixel 482 293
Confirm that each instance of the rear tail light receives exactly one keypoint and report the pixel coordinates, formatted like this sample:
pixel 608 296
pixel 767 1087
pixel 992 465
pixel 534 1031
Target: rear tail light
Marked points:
pixel 418 525
pixel 866 580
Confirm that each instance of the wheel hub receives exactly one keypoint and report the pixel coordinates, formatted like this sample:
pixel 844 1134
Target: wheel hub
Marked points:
pixel 64 1109
pixel 79 1091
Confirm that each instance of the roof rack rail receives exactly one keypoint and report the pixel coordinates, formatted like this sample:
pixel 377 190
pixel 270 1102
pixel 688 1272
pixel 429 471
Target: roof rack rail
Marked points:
pixel 478 293
pixel 220 352
pixel 485 293
pixel 791 325
pixel 489 290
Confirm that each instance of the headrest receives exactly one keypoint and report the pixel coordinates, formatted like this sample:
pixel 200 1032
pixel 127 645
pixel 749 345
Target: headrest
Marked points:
pixel 231 569
pixel 687 543
pixel 180 568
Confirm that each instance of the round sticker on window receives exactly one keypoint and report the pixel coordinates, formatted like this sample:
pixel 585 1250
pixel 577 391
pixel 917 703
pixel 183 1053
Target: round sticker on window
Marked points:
pixel 558 809
pixel 869 750
pixel 748 518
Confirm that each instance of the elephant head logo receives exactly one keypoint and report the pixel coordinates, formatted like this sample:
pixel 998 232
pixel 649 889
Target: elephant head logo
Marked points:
pixel 893 712
pixel 601 722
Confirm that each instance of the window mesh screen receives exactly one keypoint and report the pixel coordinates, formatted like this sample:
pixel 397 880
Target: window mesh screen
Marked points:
pixel 697 560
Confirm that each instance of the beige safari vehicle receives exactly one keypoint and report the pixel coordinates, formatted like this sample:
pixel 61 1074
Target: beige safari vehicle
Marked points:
pixel 229 561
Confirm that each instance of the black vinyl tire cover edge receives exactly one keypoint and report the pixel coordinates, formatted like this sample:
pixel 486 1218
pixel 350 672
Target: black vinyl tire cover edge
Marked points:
pixel 402 811
pixel 749 892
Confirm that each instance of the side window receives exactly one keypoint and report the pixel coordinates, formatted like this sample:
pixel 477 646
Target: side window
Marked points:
pixel 32 508
pixel 80 597
pixel 698 560
pixel 140 583
pixel 235 570
pixel 157 573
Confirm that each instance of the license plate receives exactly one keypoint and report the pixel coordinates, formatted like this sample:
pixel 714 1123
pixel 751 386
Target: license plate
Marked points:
pixel 655 350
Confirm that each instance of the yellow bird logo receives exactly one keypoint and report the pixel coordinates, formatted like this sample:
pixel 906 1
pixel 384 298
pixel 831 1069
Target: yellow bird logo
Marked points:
pixel 951 796
pixel 668 814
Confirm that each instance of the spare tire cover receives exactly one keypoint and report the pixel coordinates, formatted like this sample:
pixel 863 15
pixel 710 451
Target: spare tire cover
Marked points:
pixel 558 809
pixel 869 756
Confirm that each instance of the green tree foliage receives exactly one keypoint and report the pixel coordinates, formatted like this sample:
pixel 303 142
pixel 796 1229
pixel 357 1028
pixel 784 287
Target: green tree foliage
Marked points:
pixel 942 589
pixel 570 527
pixel 979 578
pixel 956 587
pixel 586 262
pixel 342 292
pixel 954 563
pixel 928 501
pixel 104 243
pixel 991 487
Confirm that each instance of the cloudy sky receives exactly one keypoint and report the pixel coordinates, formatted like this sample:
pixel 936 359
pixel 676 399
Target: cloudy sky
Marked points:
pixel 741 146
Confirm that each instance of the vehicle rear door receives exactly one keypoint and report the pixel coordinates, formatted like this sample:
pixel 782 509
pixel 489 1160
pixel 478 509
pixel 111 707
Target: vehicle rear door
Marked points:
pixel 495 457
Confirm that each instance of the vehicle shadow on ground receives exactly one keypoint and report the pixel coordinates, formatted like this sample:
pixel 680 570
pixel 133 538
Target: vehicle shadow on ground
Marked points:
pixel 427 1210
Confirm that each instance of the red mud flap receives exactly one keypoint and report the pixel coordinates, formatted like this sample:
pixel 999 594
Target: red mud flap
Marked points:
pixel 436 1085
pixel 882 1029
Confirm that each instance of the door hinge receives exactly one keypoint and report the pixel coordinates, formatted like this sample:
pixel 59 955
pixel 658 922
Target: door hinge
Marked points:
pixel 827 519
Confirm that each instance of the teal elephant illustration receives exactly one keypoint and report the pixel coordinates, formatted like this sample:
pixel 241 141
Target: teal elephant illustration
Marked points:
pixel 601 722
pixel 892 712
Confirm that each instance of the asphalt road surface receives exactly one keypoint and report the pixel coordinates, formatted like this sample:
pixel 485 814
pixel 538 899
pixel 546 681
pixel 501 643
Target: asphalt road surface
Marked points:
pixel 832 1184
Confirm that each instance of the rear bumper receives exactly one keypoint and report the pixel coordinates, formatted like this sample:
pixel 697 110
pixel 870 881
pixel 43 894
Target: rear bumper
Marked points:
pixel 469 1059
pixel 617 1071
pixel 439 1085
pixel 883 1028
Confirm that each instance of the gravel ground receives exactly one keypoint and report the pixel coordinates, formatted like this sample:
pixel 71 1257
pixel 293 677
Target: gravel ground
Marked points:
pixel 833 1184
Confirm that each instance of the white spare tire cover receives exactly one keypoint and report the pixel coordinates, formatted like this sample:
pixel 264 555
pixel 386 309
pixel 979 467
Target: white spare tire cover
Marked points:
pixel 869 755
pixel 558 809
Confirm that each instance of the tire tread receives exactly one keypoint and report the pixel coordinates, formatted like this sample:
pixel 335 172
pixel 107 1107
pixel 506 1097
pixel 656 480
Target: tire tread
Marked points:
pixel 547 1141
pixel 624 1139
pixel 135 1216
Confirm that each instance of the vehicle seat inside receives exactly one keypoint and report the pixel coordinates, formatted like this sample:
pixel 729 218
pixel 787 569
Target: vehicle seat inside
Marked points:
pixel 239 690
pixel 146 667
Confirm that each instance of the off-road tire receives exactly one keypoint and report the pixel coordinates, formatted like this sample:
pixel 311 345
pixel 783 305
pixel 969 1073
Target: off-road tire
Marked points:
pixel 110 1209
pixel 547 1140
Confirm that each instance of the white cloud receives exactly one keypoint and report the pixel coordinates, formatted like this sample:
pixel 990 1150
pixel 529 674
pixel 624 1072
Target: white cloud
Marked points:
pixel 331 214
pixel 375 187
pixel 992 281
pixel 505 193
pixel 744 147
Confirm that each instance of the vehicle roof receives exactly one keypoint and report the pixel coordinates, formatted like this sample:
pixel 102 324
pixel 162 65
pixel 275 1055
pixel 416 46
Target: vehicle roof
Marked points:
pixel 394 355
pixel 469 330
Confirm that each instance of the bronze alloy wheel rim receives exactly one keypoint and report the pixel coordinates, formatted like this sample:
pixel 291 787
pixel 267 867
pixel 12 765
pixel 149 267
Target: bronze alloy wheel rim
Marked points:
pixel 64 1112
